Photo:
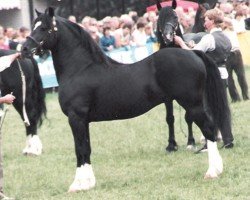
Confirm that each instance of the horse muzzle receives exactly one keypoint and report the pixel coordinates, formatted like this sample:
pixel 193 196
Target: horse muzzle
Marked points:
pixel 26 53
pixel 168 39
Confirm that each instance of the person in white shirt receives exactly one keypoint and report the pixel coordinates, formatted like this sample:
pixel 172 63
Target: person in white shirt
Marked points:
pixel 218 47
pixel 5 62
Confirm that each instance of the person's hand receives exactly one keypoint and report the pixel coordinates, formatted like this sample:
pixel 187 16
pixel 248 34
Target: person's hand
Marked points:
pixel 110 48
pixel 14 56
pixel 191 44
pixel 178 40
pixel 9 98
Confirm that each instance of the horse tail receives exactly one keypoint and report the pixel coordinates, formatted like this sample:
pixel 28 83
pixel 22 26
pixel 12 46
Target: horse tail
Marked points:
pixel 158 4
pixel 216 94
pixel 39 94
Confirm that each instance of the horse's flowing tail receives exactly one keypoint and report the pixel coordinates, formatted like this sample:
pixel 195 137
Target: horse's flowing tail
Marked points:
pixel 216 95
pixel 39 94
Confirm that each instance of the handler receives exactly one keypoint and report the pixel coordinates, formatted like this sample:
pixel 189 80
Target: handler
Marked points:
pixel 5 62
pixel 217 46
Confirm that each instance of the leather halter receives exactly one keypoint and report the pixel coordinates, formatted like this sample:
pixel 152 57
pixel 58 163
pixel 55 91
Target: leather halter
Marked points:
pixel 39 47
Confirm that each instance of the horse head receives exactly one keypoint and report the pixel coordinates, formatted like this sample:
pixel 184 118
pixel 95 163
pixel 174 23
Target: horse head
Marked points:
pixel 43 35
pixel 204 5
pixel 167 25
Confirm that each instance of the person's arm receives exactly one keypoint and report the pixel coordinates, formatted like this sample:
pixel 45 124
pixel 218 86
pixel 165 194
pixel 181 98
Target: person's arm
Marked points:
pixel 9 98
pixel 5 61
pixel 207 43
pixel 179 41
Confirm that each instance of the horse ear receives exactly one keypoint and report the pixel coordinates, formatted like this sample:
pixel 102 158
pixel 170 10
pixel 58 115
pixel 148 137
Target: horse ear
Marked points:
pixel 50 11
pixel 158 4
pixel 174 4
pixel 37 12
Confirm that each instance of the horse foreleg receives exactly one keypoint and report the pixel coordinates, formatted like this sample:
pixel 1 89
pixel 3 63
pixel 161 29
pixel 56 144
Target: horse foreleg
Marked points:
pixel 172 145
pixel 84 176
pixel 33 143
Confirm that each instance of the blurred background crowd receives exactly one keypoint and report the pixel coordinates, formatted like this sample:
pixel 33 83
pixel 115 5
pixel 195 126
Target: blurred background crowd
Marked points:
pixel 130 29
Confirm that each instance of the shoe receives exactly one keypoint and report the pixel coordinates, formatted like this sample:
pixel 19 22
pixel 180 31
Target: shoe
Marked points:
pixel 229 145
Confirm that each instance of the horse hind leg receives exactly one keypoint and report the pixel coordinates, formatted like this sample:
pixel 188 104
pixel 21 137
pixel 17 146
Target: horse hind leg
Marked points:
pixel 191 141
pixel 172 145
pixel 207 127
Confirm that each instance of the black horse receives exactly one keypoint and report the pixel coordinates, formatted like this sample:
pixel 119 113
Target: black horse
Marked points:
pixel 93 87
pixel 167 27
pixel 33 99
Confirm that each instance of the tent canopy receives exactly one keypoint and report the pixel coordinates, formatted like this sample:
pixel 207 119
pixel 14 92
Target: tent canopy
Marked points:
pixel 180 3
pixel 9 4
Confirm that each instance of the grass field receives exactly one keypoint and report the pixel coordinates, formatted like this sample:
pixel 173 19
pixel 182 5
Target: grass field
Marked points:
pixel 128 158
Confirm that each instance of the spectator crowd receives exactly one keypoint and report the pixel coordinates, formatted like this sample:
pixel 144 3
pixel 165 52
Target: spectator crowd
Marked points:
pixel 133 30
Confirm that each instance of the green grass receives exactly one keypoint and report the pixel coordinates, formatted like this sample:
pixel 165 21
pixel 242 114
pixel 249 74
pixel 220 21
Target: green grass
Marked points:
pixel 128 158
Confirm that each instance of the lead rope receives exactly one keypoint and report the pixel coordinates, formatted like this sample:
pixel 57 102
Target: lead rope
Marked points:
pixel 25 116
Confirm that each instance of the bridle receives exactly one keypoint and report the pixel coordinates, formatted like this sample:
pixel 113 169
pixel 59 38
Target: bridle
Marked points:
pixel 175 27
pixel 39 45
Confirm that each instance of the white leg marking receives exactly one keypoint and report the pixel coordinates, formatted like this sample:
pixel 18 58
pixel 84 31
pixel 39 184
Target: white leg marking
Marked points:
pixel 33 146
pixel 202 139
pixel 84 179
pixel 219 137
pixel 215 161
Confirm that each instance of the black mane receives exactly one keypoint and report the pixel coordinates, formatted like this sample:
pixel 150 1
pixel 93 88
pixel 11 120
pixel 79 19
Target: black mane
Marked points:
pixel 86 41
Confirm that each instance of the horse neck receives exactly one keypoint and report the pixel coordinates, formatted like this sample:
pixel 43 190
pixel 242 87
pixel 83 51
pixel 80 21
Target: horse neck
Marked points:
pixel 69 53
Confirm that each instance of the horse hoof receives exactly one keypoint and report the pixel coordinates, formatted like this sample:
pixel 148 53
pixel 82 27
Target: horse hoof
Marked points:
pixel 84 179
pixel 213 173
pixel 191 148
pixel 33 146
pixel 171 148
pixel 30 154
pixel 229 146
pixel 209 176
